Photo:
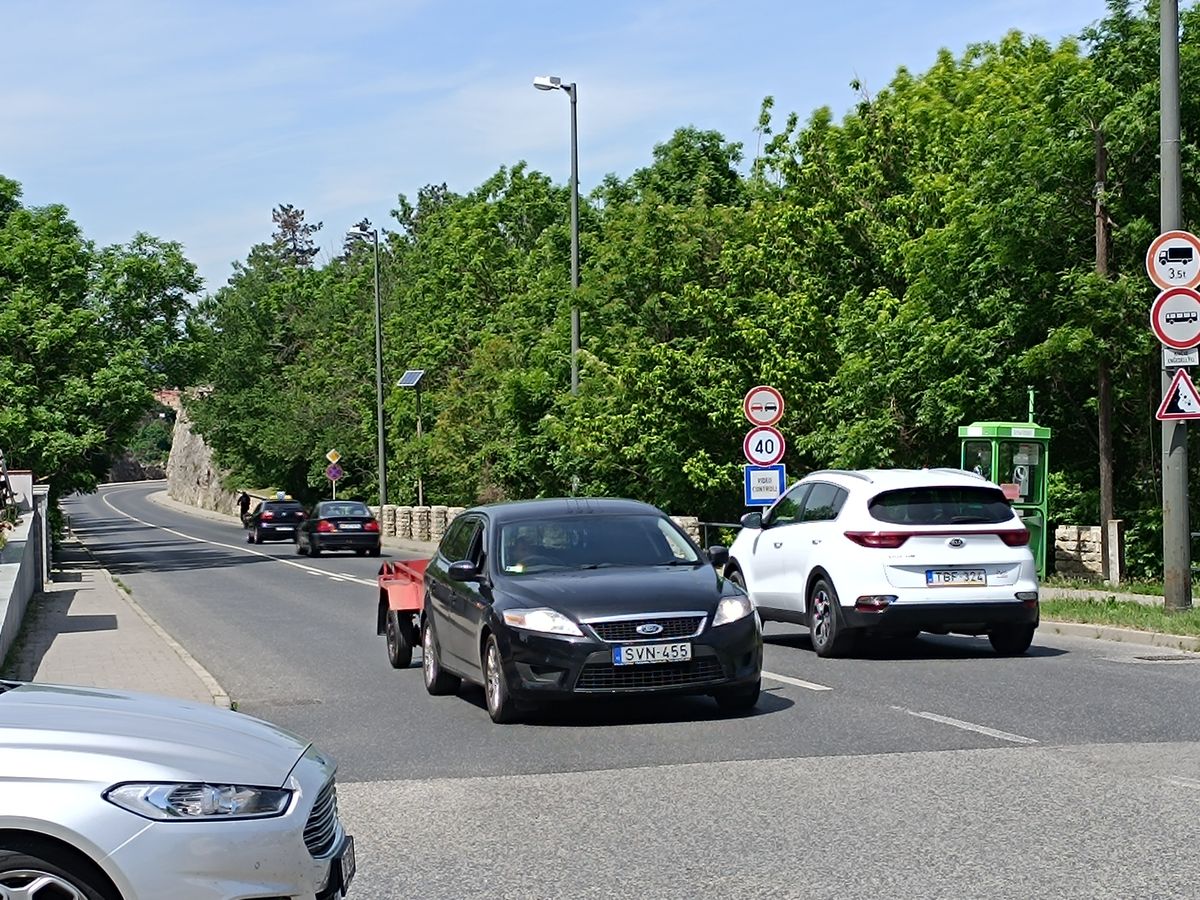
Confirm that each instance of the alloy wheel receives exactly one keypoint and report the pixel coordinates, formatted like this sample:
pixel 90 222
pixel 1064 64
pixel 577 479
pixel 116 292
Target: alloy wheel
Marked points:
pixel 30 884
pixel 427 663
pixel 492 687
pixel 822 611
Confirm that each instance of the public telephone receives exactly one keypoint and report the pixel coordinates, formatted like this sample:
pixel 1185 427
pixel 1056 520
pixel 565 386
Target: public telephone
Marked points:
pixel 1014 455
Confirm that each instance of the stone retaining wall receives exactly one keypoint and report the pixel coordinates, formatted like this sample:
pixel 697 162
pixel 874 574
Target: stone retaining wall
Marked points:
pixel 1077 551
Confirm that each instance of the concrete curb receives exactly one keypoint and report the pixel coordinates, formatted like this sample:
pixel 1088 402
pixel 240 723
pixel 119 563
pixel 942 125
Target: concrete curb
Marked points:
pixel 1053 593
pixel 1121 635
pixel 220 697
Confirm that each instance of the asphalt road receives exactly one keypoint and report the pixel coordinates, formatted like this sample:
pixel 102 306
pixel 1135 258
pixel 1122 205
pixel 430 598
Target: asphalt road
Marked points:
pixel 935 769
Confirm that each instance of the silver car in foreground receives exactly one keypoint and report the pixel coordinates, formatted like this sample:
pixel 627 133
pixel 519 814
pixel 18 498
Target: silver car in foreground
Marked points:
pixel 110 795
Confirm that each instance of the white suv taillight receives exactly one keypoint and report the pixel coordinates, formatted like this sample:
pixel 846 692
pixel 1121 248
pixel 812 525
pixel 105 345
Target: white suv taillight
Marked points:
pixel 887 539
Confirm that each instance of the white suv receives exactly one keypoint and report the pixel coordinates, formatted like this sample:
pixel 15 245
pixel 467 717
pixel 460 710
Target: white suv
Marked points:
pixel 891 551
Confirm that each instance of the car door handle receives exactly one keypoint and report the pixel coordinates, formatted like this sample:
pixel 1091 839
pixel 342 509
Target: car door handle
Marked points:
pixel 778 544
pixel 816 540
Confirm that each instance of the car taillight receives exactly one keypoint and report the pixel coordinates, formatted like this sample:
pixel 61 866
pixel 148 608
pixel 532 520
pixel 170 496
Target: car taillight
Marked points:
pixel 325 527
pixel 267 514
pixel 371 526
pixel 1015 538
pixel 886 539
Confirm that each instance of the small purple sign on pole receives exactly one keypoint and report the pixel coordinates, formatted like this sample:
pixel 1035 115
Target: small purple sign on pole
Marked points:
pixel 333 472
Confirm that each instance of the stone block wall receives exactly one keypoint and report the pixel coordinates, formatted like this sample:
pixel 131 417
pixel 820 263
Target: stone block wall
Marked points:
pixel 1077 551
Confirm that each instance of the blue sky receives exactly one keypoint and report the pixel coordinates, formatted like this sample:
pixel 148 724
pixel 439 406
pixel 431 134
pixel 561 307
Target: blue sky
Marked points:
pixel 192 120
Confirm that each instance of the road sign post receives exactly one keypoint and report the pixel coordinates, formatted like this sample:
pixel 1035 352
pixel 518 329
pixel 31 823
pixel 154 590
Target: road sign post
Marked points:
pixel 1177 542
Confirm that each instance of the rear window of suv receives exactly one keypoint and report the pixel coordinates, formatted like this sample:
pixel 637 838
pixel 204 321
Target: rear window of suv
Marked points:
pixel 286 506
pixel 942 506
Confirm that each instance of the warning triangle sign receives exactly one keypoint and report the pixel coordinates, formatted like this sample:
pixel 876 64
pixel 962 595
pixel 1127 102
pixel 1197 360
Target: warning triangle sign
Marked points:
pixel 1182 401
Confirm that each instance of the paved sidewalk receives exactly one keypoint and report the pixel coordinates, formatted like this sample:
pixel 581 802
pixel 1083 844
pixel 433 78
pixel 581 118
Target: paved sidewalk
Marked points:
pixel 84 630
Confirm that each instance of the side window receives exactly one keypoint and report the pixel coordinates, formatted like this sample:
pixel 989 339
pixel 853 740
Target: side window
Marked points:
pixel 477 544
pixel 787 508
pixel 457 541
pixel 824 502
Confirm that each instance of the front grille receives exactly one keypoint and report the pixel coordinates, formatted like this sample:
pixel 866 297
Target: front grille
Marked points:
pixel 607 677
pixel 321 830
pixel 626 629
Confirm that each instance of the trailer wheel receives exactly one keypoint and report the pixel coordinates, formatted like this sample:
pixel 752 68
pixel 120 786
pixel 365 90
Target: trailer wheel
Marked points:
pixel 399 640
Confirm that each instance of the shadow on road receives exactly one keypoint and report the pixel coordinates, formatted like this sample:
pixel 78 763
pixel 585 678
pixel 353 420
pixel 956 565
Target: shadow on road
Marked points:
pixel 924 648
pixel 589 712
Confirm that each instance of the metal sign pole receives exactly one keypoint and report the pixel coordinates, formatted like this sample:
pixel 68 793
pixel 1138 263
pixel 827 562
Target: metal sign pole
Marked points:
pixel 1177 555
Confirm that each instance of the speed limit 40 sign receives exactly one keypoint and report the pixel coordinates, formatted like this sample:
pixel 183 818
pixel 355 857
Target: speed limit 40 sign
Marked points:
pixel 763 446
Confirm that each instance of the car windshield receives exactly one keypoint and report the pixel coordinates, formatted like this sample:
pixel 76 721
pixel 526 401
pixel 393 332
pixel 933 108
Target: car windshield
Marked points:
pixel 593 542
pixel 942 506
pixel 343 509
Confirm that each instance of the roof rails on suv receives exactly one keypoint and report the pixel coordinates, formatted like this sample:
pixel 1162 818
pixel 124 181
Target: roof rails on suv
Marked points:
pixel 849 472
pixel 956 471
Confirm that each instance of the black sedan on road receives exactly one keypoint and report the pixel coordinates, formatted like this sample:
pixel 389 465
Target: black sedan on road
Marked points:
pixel 547 599
pixel 274 520
pixel 339 525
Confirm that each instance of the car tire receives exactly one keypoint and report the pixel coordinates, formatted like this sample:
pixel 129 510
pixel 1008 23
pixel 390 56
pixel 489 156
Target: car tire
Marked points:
pixel 361 551
pixel 376 551
pixel 735 576
pixel 62 874
pixel 399 639
pixel 741 699
pixel 500 703
pixel 314 549
pixel 256 535
pixel 437 681
pixel 830 637
pixel 1011 640
pixel 300 551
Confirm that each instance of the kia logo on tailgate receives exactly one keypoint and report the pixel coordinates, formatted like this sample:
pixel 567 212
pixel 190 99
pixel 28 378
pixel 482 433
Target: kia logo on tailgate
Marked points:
pixel 649 628
pixel 955 542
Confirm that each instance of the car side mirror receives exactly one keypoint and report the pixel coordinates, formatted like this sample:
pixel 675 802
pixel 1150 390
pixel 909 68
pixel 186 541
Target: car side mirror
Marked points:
pixel 752 520
pixel 463 570
pixel 718 556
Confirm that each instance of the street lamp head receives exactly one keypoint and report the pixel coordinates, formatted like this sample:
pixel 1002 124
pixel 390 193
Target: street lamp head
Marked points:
pixel 547 83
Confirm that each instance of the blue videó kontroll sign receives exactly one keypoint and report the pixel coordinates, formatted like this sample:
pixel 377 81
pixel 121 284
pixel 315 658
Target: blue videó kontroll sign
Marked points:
pixel 764 484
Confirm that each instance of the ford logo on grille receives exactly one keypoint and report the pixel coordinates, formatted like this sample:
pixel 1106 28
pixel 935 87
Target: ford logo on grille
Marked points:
pixel 955 542
pixel 650 628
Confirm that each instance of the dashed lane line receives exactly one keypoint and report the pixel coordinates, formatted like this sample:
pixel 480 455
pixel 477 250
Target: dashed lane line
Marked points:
pixel 796 682
pixel 968 726
pixel 241 549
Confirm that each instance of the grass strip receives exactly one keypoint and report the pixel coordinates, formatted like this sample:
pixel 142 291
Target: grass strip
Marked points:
pixel 1123 614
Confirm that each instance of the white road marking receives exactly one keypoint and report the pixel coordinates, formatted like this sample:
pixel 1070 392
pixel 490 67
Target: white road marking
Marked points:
pixel 968 726
pixel 239 548
pixel 796 682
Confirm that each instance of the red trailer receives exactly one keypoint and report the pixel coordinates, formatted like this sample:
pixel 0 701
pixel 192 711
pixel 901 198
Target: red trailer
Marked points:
pixel 401 599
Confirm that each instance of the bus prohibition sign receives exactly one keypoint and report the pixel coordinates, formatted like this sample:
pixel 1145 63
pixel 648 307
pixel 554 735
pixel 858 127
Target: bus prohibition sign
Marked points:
pixel 1175 318
pixel 763 446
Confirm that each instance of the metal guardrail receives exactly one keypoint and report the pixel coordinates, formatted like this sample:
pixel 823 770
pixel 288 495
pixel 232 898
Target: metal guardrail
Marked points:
pixel 704 526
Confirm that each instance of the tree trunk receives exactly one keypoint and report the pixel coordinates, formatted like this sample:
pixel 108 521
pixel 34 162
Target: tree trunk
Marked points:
pixel 1104 385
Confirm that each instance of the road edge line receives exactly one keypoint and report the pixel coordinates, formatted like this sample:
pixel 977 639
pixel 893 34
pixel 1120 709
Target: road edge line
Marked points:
pixel 1121 635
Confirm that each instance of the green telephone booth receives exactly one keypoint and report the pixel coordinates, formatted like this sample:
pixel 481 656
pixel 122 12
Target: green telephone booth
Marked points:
pixel 1016 456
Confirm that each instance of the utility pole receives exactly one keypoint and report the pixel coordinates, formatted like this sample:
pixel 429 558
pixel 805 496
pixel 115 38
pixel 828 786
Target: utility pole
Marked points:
pixel 1177 540
pixel 1104 387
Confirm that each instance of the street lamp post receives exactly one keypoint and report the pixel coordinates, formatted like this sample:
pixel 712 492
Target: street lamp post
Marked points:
pixel 362 231
pixel 554 83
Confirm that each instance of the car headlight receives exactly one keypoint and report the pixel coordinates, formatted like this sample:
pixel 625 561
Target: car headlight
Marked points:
pixel 547 621
pixel 199 802
pixel 730 609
